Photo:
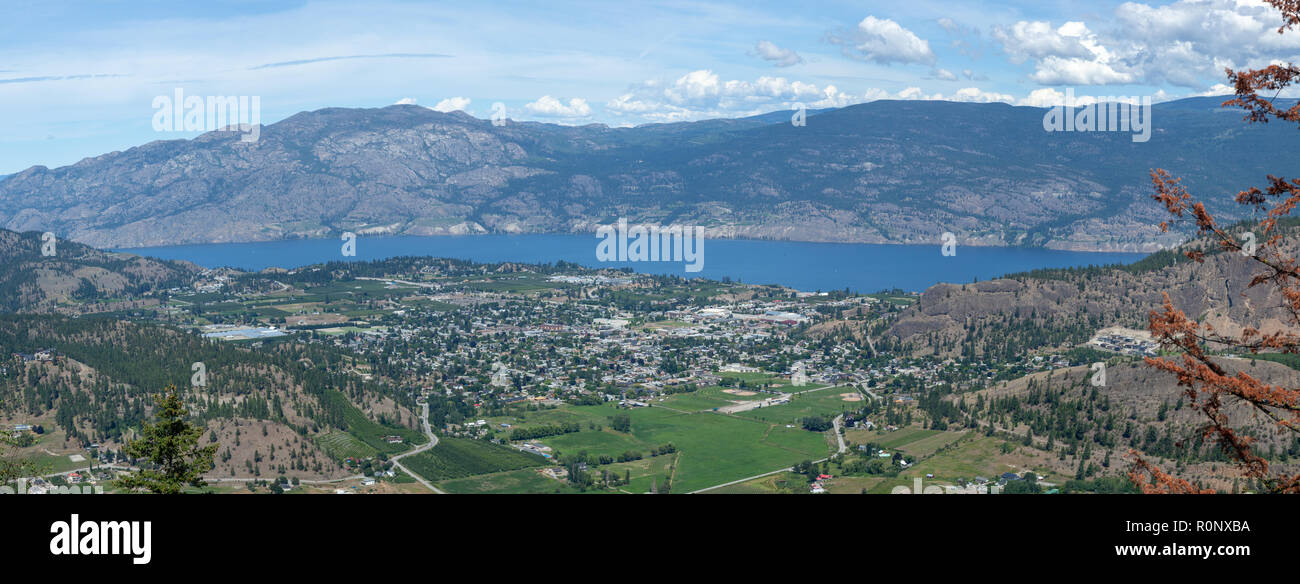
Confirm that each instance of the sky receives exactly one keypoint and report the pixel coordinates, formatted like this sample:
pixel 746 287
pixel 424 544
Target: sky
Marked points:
pixel 81 79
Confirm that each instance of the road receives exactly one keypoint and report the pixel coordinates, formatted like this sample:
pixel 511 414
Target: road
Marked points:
pixel 835 427
pixel 433 441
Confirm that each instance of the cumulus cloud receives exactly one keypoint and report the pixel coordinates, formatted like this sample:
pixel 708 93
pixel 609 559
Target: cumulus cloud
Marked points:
pixel 1217 89
pixel 1035 40
pixel 405 101
pixel 1070 54
pixel 547 106
pixel 1059 71
pixel 1187 43
pixel 703 94
pixel 974 94
pixel 452 104
pixel 1049 97
pixel 881 40
pixel 780 57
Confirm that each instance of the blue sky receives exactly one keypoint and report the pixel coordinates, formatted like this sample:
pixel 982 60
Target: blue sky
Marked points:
pixel 79 79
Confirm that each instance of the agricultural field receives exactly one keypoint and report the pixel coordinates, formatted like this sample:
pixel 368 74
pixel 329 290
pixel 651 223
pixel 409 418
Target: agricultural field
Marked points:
pixel 711 448
pixel 455 458
pixel 707 398
pixel 341 445
pixel 825 402
pixel 367 431
pixel 525 481
pixel 779 483
pixel 651 470
pixel 978 456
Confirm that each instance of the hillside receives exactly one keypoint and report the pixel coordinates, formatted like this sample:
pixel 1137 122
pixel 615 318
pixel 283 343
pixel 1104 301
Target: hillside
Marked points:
pixel 78 276
pixel 1139 408
pixel 882 172
pixel 284 409
pixel 1006 317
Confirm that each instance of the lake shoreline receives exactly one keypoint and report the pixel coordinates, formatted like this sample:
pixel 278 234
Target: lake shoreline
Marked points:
pixel 805 266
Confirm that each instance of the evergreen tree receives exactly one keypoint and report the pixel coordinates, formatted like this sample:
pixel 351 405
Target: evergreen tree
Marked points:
pixel 172 444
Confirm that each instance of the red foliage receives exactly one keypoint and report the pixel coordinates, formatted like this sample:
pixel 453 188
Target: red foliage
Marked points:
pixel 1206 385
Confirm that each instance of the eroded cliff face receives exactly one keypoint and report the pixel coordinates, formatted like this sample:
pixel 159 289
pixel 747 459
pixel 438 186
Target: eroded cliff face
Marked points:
pixel 1216 292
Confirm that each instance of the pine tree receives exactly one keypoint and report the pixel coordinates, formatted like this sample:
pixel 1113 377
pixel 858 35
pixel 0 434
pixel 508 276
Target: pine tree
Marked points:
pixel 172 444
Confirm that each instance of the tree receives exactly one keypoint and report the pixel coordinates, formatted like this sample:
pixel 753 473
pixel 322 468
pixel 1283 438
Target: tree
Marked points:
pixel 13 466
pixel 1208 387
pixel 172 444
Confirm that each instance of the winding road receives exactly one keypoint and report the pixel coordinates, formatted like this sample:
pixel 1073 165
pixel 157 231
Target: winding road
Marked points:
pixel 433 441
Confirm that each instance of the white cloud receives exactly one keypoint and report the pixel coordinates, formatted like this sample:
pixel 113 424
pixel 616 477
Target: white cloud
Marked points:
pixel 452 104
pixel 551 107
pixel 1186 43
pixel 405 101
pixel 884 41
pixel 1035 40
pixel 1048 97
pixel 977 95
pixel 1217 89
pixel 1068 55
pixel 703 94
pixel 780 57
pixel 1062 71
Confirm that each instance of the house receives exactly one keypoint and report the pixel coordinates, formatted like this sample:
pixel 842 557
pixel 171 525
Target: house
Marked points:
pixel 1010 476
pixel 74 478
pixel 366 482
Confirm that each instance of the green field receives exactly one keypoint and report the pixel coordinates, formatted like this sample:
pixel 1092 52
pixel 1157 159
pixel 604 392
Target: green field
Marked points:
pixel 825 402
pixel 526 481
pixel 341 445
pixel 903 436
pixel 455 458
pixel 711 448
pixel 367 431
pixel 978 457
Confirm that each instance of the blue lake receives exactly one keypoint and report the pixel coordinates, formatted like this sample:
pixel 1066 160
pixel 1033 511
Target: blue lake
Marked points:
pixel 799 265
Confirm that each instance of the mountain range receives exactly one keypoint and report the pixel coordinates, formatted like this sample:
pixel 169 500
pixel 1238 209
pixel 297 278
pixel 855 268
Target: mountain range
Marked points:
pixel 880 172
